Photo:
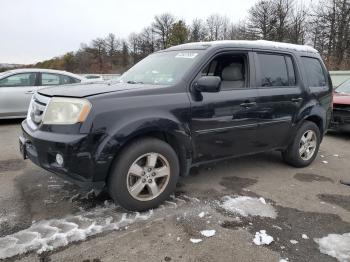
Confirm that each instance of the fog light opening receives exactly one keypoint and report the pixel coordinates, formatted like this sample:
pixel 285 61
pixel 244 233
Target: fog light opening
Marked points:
pixel 59 159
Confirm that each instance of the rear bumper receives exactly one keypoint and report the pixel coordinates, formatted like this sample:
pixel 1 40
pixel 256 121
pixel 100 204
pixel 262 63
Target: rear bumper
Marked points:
pixel 79 165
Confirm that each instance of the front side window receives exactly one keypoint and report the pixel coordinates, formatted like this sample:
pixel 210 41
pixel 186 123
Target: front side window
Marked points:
pixel 48 79
pixel 164 68
pixel 24 79
pixel 314 72
pixel 231 68
pixel 273 70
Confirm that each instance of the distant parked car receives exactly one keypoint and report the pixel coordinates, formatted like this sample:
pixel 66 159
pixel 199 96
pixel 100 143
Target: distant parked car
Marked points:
pixel 93 78
pixel 103 77
pixel 17 87
pixel 341 107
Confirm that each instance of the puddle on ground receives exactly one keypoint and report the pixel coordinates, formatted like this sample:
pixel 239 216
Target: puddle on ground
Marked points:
pixel 339 200
pixel 309 177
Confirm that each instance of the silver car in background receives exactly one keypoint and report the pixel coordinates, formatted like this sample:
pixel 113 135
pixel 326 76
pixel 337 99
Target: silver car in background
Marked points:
pixel 17 87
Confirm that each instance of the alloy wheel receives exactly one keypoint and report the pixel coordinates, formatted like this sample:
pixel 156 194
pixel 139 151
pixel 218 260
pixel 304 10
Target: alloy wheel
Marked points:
pixel 148 176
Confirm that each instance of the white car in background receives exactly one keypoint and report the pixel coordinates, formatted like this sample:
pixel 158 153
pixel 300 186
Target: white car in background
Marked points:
pixel 17 87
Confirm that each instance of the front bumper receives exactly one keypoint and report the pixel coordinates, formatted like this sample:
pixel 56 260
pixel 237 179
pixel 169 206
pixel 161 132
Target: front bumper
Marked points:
pixel 340 120
pixel 79 166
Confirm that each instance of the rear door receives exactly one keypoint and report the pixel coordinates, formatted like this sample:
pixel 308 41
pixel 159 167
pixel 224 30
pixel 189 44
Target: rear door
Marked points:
pixel 15 94
pixel 279 98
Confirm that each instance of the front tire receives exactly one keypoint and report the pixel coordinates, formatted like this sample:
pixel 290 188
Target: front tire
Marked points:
pixel 303 150
pixel 144 175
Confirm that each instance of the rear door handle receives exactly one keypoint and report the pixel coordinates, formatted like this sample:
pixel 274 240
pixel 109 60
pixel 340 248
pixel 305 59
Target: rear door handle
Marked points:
pixel 297 100
pixel 248 104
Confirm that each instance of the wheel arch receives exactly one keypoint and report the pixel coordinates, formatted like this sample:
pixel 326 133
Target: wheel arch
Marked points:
pixel 177 136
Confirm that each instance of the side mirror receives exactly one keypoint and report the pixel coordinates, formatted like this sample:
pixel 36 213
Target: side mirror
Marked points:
pixel 208 84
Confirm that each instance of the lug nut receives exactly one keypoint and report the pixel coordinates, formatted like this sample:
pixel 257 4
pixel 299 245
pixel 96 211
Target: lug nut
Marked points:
pixel 143 180
pixel 143 173
pixel 153 174
pixel 150 181
pixel 149 169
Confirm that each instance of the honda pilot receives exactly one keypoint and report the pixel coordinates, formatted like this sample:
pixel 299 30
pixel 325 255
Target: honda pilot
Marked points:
pixel 178 108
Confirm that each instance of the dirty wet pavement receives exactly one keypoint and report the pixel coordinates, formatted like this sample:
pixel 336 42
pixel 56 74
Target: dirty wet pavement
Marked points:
pixel 44 218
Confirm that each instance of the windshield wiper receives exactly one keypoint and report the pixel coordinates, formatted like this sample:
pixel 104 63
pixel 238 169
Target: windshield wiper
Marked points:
pixel 134 82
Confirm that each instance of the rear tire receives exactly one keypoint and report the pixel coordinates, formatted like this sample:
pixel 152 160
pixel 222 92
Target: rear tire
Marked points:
pixel 144 174
pixel 304 148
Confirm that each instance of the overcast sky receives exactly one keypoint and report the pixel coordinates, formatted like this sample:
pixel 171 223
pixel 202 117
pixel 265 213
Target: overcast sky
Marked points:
pixel 34 30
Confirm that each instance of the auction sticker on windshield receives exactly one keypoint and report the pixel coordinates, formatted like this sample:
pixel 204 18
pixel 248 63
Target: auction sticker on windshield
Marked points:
pixel 186 55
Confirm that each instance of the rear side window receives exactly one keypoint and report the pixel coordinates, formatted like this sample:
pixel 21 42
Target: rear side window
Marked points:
pixel 50 79
pixel 314 72
pixel 273 70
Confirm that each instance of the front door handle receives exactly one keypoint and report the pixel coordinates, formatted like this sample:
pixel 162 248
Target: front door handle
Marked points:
pixel 297 100
pixel 30 92
pixel 248 104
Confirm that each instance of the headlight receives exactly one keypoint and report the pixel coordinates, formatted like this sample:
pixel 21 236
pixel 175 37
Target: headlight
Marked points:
pixel 66 111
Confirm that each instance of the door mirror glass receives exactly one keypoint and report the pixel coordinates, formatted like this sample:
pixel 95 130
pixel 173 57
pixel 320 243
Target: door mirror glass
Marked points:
pixel 208 84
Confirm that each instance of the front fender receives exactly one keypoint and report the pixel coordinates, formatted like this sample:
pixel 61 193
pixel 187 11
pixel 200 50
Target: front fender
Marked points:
pixel 121 135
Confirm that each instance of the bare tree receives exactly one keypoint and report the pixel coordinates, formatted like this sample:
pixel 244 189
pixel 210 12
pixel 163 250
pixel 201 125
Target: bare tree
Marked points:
pixel 162 27
pixel 215 24
pixel 198 31
pixel 261 20
pixel 99 50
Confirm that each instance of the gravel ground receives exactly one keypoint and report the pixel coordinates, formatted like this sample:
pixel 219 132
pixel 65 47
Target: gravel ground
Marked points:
pixel 308 201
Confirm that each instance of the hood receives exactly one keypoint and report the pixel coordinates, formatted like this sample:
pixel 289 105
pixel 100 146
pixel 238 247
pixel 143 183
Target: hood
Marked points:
pixel 341 98
pixel 88 89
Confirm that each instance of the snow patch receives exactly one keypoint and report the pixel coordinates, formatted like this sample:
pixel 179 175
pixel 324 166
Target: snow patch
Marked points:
pixel 248 206
pixel 293 241
pixel 325 162
pixel 208 233
pixel 334 245
pixel 261 238
pixel 47 235
pixel 304 236
pixel 201 214
pixel 262 200
pixel 195 240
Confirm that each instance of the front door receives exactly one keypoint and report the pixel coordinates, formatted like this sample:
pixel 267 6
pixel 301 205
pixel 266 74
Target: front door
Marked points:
pixel 224 124
pixel 15 94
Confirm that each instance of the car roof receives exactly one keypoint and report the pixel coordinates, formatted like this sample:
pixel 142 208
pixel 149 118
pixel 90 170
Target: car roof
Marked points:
pixel 258 44
pixel 39 70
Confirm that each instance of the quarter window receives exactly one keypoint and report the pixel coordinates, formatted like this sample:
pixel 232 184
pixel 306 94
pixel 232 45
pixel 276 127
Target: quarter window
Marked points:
pixel 314 72
pixel 25 79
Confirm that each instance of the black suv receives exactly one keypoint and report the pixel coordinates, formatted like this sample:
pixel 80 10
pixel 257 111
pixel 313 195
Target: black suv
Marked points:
pixel 179 108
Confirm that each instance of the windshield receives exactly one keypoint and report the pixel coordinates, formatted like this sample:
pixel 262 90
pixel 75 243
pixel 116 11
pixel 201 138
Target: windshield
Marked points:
pixel 163 68
pixel 344 87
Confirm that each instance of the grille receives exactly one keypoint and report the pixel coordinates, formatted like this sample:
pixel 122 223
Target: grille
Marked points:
pixel 37 109
pixel 341 107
